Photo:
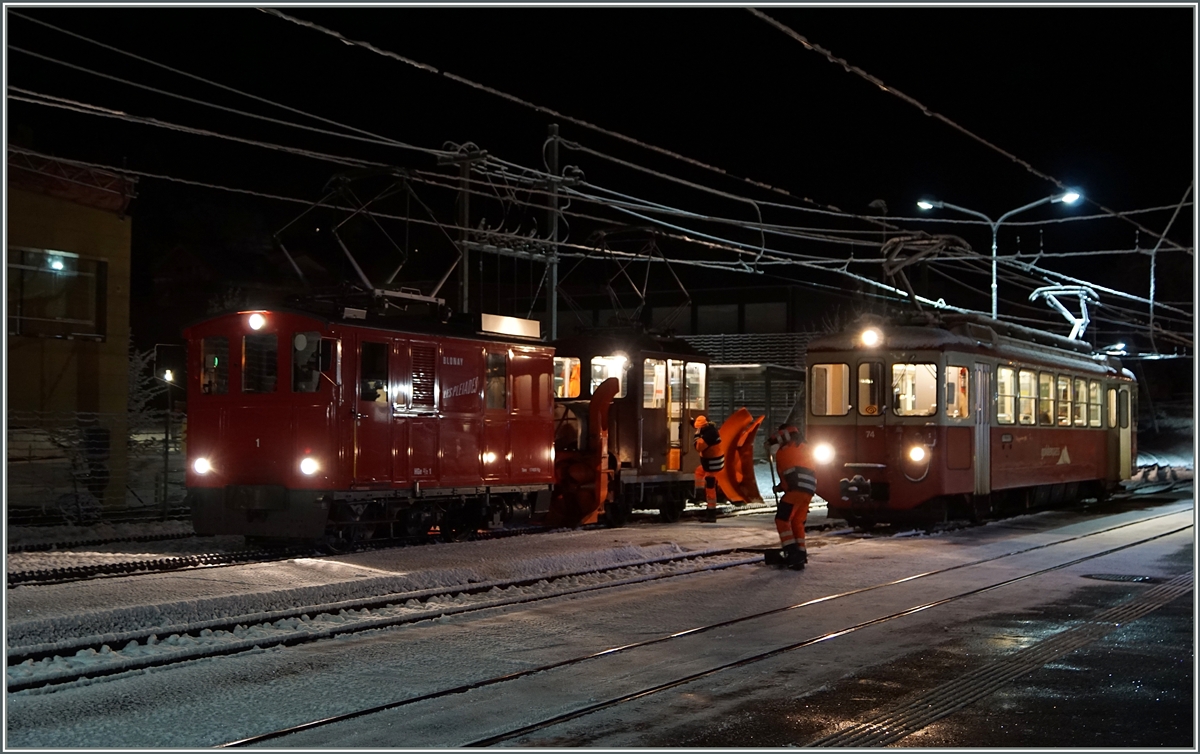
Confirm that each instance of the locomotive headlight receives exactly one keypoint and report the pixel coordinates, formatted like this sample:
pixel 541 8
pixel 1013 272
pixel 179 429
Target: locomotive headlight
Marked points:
pixel 201 466
pixel 916 453
pixel 309 465
pixel 256 321
pixel 871 337
pixel 823 453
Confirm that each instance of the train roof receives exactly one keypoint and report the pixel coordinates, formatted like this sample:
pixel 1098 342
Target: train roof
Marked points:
pixel 972 334
pixel 468 326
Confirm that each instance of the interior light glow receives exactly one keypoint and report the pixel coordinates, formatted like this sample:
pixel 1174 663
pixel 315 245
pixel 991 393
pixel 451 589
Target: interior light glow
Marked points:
pixel 309 465
pixel 916 453
pixel 257 321
pixel 823 453
pixel 201 466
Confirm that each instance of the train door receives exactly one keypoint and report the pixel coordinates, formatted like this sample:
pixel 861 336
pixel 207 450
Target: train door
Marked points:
pixel 373 413
pixel 983 429
pixel 652 423
pixel 423 431
pixel 1125 428
pixel 675 400
pixel 871 444
pixel 401 399
pixel 695 404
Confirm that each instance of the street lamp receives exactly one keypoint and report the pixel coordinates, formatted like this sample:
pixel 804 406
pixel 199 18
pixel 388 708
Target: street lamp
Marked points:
pixel 1069 197
pixel 167 376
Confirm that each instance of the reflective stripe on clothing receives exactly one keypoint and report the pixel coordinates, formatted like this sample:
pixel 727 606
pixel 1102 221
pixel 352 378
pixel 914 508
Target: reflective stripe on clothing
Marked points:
pixel 800 479
pixel 712 464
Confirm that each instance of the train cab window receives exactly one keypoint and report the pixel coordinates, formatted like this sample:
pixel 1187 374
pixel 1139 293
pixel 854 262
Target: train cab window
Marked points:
pixel 1026 396
pixel 1112 408
pixel 829 385
pixel 1045 399
pixel 1006 394
pixel 604 367
pixel 566 377
pixel 915 389
pixel 1064 401
pixel 1094 403
pixel 307 358
pixel 1081 406
pixel 497 381
pixel 870 388
pixel 654 383
pixel 694 374
pixel 958 404
pixel 214 365
pixel 260 362
pixel 373 373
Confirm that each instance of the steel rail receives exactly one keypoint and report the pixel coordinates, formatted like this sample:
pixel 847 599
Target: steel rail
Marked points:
pixel 650 642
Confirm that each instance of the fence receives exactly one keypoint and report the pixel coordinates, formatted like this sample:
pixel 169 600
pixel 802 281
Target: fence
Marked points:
pixel 84 466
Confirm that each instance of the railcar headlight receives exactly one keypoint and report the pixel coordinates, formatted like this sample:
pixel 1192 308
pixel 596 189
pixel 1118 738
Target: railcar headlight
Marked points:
pixel 871 337
pixel 823 453
pixel 201 466
pixel 309 465
pixel 916 454
pixel 257 321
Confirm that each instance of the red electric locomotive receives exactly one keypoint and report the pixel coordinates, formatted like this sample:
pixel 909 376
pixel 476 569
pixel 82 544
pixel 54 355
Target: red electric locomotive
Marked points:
pixel 929 416
pixel 357 426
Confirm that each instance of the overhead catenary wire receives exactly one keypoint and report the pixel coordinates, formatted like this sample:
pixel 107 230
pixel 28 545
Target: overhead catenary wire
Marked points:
pixel 925 110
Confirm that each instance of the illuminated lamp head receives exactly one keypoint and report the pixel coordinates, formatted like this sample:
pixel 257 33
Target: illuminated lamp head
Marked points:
pixel 201 466
pixel 309 465
pixel 823 453
pixel 871 337
pixel 256 321
pixel 916 454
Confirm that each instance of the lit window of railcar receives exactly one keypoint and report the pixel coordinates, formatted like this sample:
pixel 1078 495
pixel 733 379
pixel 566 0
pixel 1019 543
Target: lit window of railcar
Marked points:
pixel 694 374
pixel 1045 399
pixel 1081 406
pixel 260 362
pixel 603 367
pixel 1094 403
pixel 915 389
pixel 566 377
pixel 1064 401
pixel 1006 394
pixel 1112 408
pixel 870 388
pixel 1027 392
pixel 654 383
pixel 214 365
pixel 958 404
pixel 829 385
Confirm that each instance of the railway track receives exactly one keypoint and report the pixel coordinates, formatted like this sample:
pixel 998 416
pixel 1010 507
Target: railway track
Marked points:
pixel 591 704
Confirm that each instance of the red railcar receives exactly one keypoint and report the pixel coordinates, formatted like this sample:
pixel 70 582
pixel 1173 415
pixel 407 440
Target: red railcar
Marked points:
pixel 302 425
pixel 925 417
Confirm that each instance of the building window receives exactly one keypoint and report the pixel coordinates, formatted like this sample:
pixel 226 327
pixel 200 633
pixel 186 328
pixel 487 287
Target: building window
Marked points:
pixel 56 294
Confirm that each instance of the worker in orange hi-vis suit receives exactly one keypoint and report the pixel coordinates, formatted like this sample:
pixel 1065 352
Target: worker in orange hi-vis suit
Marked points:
pixel 798 483
pixel 712 459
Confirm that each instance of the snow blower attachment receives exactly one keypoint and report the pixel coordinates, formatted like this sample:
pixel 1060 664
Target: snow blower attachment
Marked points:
pixel 737 480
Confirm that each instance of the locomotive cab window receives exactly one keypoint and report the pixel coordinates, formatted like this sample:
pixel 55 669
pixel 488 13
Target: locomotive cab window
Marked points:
pixel 373 373
pixel 654 383
pixel 604 367
pixel 1045 399
pixel 958 405
pixel 1006 394
pixel 566 377
pixel 870 388
pixel 829 385
pixel 260 362
pixel 1064 401
pixel 1026 396
pixel 312 356
pixel 497 381
pixel 915 389
pixel 214 365
pixel 694 374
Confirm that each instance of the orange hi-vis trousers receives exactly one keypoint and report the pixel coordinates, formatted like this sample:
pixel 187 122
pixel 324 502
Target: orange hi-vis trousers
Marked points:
pixel 790 516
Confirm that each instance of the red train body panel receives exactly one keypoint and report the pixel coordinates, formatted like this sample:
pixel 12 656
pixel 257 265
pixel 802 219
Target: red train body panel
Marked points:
pixel 952 413
pixel 301 424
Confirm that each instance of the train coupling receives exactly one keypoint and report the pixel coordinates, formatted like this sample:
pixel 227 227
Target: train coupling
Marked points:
pixel 855 490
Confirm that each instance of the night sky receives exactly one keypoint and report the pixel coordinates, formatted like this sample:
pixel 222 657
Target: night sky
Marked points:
pixel 1101 98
